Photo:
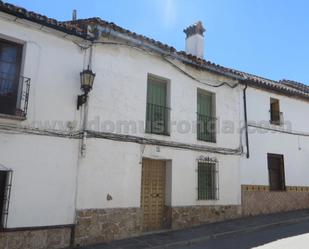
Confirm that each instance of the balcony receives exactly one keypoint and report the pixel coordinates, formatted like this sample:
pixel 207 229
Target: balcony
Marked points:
pixel 206 128
pixel 14 95
pixel 276 117
pixel 157 119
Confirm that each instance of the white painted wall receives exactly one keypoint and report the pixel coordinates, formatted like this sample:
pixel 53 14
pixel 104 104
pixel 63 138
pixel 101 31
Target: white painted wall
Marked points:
pixel 107 170
pixel 294 148
pixel 121 79
pixel 195 45
pixel 44 168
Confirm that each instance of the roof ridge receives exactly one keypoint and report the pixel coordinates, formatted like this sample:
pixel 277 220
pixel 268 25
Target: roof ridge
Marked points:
pixel 78 28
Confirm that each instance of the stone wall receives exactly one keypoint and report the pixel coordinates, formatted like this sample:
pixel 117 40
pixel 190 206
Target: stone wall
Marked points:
pixel 36 239
pixel 188 216
pixel 103 225
pixel 257 199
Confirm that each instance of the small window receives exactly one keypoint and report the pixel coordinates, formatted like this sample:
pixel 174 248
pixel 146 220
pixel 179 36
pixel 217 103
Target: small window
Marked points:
pixel 5 188
pixel 275 114
pixel 207 181
pixel 157 112
pixel 276 172
pixel 206 121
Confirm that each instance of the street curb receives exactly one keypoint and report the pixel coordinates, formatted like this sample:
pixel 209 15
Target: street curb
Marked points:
pixel 224 234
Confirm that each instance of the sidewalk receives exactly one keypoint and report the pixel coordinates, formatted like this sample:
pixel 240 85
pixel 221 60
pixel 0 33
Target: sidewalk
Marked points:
pixel 172 239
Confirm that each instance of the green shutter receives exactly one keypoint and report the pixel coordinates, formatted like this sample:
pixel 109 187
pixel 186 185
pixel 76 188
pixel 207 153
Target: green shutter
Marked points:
pixel 156 92
pixel 204 104
pixel 157 110
pixel 205 119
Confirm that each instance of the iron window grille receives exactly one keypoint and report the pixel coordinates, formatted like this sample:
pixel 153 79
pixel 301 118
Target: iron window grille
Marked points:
pixel 206 128
pixel 6 197
pixel 14 100
pixel 157 119
pixel 208 179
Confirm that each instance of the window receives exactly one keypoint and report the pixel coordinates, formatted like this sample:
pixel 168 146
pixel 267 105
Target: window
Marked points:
pixel 207 181
pixel 157 113
pixel 5 187
pixel 206 122
pixel 14 89
pixel 276 172
pixel 275 114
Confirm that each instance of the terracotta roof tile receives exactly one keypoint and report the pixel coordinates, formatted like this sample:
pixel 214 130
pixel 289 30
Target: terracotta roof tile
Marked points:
pixel 41 19
pixel 79 28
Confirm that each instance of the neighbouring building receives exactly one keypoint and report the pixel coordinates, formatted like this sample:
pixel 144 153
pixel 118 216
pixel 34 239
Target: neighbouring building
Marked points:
pixel 162 140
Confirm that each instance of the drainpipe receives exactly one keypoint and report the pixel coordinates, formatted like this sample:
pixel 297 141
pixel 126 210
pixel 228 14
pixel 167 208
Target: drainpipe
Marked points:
pixel 246 119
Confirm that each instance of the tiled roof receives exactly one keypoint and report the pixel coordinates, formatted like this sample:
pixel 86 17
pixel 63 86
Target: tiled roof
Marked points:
pixel 80 28
pixel 295 85
pixel 43 20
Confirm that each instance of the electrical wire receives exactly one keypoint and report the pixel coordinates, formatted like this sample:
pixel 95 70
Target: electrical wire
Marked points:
pixel 165 58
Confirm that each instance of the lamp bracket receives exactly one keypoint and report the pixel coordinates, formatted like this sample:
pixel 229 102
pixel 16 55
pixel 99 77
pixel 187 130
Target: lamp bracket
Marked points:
pixel 81 99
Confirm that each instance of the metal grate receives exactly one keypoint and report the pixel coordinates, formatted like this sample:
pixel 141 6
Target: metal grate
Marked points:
pixel 157 118
pixel 206 128
pixel 208 179
pixel 6 199
pixel 14 95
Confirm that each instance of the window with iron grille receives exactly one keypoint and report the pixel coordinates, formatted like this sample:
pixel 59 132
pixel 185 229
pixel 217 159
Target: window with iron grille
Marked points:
pixel 207 180
pixel 276 172
pixel 5 190
pixel 157 112
pixel 14 88
pixel 206 121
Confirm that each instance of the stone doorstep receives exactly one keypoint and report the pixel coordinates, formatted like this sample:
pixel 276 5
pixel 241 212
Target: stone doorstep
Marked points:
pixel 225 234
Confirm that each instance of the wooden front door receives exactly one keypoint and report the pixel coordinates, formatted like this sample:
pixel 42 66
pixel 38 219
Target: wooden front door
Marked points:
pixel 153 194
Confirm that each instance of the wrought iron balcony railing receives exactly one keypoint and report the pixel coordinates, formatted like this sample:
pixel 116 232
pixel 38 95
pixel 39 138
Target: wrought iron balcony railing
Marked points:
pixel 206 128
pixel 14 94
pixel 276 117
pixel 157 119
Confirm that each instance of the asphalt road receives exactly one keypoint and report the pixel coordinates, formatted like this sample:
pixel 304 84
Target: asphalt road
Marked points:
pixel 259 238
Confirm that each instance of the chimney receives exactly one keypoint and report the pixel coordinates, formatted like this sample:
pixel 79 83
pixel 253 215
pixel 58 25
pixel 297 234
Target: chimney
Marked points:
pixel 195 39
pixel 74 15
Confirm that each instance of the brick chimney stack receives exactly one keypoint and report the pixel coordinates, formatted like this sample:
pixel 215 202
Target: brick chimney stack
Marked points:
pixel 195 39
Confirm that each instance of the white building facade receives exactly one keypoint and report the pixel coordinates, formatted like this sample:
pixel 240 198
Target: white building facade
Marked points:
pixel 161 142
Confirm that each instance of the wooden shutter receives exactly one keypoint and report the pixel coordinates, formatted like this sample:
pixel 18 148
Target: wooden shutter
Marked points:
pixel 157 113
pixel 206 123
pixel 156 93
pixel 204 104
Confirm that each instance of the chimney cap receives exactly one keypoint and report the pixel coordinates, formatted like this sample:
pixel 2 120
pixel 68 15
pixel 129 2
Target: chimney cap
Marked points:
pixel 74 15
pixel 196 28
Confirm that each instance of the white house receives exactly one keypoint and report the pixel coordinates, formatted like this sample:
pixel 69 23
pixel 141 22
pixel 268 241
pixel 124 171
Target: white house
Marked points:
pixel 274 177
pixel 162 140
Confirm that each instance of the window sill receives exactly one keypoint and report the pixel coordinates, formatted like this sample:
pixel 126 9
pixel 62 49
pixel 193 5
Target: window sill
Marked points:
pixel 205 141
pixel 158 134
pixel 12 117
pixel 276 123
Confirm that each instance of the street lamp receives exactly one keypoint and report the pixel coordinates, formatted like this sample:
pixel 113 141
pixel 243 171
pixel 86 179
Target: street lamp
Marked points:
pixel 86 83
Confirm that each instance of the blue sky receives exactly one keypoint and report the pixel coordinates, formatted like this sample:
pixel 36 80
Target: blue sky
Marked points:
pixel 269 38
